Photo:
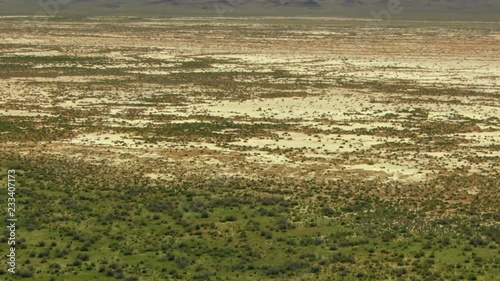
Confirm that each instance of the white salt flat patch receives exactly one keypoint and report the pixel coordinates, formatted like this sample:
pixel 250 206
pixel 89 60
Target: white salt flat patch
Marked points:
pixel 368 126
pixel 477 111
pixel 186 121
pixel 438 154
pixel 119 56
pixel 229 67
pixel 107 139
pixel 324 143
pixel 487 155
pixel 120 122
pixel 264 58
pixel 71 79
pixel 180 111
pixel 482 138
pixel 83 102
pixel 38 53
pixel 14 112
pixel 266 158
pixel 396 171
pixel 339 105
pixel 206 145
pixel 166 56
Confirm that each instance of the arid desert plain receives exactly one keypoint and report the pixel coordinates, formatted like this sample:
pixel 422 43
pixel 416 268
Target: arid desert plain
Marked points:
pixel 252 148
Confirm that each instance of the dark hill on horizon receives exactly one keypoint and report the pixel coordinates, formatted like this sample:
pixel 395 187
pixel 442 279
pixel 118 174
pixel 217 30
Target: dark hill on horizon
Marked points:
pixel 480 10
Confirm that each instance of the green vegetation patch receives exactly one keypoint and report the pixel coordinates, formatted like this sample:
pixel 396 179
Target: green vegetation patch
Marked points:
pixel 110 223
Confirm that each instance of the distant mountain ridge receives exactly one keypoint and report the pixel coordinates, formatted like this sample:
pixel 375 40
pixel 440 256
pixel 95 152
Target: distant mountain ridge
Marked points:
pixel 347 8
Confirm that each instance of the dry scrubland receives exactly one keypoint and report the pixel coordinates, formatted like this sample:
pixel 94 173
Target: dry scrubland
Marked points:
pixel 253 149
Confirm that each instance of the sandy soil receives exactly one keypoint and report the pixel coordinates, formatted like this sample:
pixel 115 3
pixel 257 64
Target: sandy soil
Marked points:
pixel 402 104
